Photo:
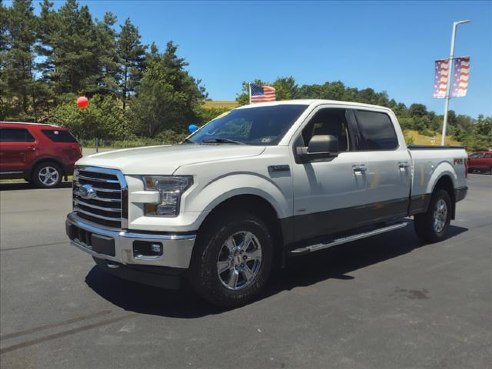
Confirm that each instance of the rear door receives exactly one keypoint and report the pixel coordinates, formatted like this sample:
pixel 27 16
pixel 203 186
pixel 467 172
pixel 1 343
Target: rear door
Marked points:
pixel 63 145
pixel 388 165
pixel 17 149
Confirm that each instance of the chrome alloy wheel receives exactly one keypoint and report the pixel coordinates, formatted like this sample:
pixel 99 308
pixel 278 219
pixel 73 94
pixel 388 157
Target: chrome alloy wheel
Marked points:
pixel 440 215
pixel 48 176
pixel 239 260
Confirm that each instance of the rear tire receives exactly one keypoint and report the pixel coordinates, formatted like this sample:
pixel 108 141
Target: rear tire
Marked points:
pixel 47 175
pixel 432 226
pixel 232 260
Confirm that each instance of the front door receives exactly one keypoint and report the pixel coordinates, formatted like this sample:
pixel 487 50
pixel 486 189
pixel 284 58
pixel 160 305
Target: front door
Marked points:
pixel 17 149
pixel 329 194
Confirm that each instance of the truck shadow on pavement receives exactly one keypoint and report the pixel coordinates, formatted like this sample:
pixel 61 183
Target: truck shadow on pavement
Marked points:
pixel 334 263
pixel 337 262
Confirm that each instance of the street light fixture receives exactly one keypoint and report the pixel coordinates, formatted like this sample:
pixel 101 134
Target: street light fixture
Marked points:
pixel 450 65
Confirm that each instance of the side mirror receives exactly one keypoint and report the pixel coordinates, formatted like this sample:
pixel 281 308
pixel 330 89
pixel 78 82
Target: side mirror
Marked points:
pixel 320 147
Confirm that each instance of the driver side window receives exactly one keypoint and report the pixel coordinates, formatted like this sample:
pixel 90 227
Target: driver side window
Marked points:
pixel 329 121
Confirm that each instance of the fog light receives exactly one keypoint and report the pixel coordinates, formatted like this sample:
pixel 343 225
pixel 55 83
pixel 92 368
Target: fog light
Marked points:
pixel 156 247
pixel 142 249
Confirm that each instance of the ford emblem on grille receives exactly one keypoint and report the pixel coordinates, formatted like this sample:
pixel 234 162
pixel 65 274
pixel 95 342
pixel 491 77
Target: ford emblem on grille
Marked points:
pixel 87 192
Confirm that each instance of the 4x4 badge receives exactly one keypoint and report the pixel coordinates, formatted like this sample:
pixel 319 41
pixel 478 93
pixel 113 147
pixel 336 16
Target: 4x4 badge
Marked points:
pixel 87 192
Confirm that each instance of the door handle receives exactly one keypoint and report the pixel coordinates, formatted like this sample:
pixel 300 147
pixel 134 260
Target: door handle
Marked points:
pixel 403 165
pixel 32 148
pixel 359 168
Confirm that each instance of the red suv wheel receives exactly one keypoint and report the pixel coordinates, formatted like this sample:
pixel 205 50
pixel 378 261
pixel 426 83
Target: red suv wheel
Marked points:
pixel 47 175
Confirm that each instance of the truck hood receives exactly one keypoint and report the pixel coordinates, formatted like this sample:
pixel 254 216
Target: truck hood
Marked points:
pixel 166 159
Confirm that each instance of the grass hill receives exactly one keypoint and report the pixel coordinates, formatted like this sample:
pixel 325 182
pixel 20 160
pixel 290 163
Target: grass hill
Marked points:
pixel 209 104
pixel 419 139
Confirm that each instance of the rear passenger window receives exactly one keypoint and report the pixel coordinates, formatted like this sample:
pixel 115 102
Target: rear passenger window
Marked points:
pixel 377 131
pixel 59 136
pixel 15 135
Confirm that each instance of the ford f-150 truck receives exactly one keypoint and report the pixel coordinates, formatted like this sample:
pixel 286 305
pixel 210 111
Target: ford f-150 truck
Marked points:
pixel 254 186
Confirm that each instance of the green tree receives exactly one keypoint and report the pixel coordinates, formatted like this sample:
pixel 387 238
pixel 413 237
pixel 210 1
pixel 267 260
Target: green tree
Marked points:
pixel 417 110
pixel 131 54
pixel 167 97
pixel 4 101
pixel 334 90
pixel 70 47
pixel 17 61
pixel 204 115
pixel 103 118
pixel 400 110
pixel 285 88
pixel 106 56
pixel 483 133
pixel 367 96
pixel 309 92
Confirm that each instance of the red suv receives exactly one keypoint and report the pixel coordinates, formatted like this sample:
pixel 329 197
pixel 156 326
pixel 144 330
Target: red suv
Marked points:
pixel 40 153
pixel 480 162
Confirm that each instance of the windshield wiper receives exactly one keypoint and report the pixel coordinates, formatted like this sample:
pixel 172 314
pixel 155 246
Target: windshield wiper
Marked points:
pixel 187 140
pixel 222 140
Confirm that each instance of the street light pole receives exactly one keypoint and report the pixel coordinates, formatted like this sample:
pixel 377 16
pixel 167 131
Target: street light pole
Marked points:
pixel 448 88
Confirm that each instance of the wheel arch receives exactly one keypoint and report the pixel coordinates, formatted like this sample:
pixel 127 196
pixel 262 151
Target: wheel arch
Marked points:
pixel 257 205
pixel 43 160
pixel 446 183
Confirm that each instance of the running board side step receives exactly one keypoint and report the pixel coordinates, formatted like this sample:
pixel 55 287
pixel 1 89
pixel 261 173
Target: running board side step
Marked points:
pixel 355 237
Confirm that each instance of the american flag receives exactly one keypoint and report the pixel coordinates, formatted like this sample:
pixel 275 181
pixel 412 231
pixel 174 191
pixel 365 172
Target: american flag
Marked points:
pixel 461 74
pixel 261 93
pixel 441 78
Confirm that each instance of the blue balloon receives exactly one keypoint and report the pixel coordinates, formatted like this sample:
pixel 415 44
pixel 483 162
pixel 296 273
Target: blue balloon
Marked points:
pixel 192 128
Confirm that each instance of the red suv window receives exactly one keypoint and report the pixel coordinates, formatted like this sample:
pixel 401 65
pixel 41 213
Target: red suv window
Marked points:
pixel 59 136
pixel 15 135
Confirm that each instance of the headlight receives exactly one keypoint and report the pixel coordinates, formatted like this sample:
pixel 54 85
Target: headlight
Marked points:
pixel 170 190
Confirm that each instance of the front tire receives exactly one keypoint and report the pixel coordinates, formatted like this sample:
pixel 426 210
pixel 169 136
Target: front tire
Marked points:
pixel 432 226
pixel 47 175
pixel 232 260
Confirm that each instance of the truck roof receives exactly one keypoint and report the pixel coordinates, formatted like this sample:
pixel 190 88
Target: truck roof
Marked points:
pixel 316 102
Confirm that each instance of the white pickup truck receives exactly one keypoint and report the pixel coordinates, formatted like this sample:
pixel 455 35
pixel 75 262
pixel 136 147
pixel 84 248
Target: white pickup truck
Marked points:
pixel 255 185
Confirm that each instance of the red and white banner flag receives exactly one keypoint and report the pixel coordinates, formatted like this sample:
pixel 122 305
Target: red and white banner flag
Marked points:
pixel 441 78
pixel 461 74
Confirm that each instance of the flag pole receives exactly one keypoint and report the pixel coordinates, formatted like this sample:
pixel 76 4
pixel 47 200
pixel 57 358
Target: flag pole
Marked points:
pixel 448 87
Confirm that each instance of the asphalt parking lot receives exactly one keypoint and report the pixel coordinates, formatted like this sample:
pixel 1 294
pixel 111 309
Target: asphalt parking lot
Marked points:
pixel 385 302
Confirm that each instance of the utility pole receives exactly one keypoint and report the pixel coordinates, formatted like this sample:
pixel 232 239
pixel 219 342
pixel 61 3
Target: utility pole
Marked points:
pixel 450 71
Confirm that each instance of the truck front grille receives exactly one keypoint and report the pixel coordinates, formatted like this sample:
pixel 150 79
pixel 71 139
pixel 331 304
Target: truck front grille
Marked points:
pixel 99 196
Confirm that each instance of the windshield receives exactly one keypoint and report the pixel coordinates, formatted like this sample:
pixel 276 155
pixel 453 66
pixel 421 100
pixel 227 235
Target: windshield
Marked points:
pixel 265 125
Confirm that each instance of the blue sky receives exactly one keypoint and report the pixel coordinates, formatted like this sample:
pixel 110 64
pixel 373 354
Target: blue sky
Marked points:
pixel 385 45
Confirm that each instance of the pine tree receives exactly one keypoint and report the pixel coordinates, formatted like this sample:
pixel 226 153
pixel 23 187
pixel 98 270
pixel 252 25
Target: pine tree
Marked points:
pixel 131 54
pixel 69 45
pixel 17 61
pixel 4 107
pixel 168 96
pixel 107 56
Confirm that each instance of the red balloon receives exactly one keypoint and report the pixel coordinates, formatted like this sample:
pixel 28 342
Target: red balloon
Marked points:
pixel 82 102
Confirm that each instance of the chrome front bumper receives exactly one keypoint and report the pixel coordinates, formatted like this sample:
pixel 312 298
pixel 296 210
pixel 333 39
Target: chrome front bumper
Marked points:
pixel 118 245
